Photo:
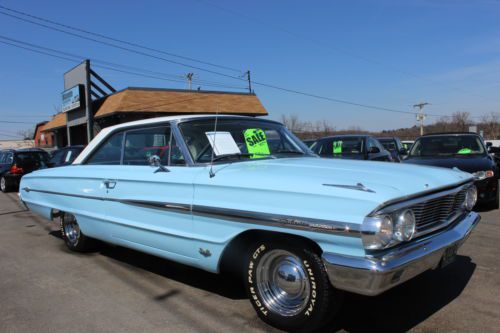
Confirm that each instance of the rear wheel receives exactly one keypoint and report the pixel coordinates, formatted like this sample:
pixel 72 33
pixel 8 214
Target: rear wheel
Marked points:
pixel 73 237
pixel 5 185
pixel 289 288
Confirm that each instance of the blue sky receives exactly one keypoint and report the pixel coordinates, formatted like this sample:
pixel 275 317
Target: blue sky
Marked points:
pixel 387 53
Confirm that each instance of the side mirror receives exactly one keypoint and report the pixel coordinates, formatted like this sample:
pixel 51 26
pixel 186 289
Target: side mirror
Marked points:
pixel 155 162
pixel 373 150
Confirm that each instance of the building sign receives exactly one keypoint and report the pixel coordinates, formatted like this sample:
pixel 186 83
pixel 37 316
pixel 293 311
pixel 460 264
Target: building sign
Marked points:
pixel 73 98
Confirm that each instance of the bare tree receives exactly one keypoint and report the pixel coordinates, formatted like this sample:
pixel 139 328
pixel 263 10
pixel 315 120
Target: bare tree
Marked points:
pixel 461 121
pixel 491 125
pixel 26 134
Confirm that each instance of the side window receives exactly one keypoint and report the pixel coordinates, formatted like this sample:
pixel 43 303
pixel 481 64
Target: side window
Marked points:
pixel 370 144
pixel 9 158
pixel 2 156
pixel 109 153
pixel 141 144
pixel 56 157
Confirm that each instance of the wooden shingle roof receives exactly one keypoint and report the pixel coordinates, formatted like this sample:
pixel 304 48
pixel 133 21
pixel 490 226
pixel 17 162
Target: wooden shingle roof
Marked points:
pixel 166 101
pixel 58 121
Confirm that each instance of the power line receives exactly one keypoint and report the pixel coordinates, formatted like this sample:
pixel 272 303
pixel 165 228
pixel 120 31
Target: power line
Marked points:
pixel 120 47
pixel 80 58
pixel 207 70
pixel 254 82
pixel 15 122
pixel 120 40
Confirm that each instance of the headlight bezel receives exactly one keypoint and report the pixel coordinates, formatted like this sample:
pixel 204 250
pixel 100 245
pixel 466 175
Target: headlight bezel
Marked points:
pixel 470 194
pixel 381 231
pixel 405 225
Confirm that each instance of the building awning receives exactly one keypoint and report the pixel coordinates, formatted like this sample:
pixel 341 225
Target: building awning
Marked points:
pixel 58 121
pixel 170 101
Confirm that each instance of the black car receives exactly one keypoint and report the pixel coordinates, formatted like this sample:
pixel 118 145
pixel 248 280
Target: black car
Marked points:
pixel 465 151
pixel 14 163
pixel 64 156
pixel 395 147
pixel 356 147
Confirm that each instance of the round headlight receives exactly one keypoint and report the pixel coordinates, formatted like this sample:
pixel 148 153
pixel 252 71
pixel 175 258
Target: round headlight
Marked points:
pixel 470 197
pixel 404 226
pixel 377 232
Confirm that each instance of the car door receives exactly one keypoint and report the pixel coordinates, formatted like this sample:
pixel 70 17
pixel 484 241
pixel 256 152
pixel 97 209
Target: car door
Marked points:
pixel 149 207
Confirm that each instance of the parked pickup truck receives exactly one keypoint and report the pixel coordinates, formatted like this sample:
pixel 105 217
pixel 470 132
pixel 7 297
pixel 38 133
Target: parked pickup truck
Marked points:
pixel 246 194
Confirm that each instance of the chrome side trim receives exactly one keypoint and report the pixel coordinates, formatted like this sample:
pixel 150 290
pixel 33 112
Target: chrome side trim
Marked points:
pixel 234 215
pixel 276 220
pixel 358 187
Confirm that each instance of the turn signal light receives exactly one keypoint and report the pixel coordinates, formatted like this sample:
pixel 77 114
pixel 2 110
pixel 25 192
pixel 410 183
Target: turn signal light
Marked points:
pixel 16 170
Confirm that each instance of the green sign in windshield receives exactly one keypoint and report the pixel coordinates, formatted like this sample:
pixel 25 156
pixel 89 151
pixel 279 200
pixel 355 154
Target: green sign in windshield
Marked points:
pixel 465 151
pixel 256 142
pixel 337 147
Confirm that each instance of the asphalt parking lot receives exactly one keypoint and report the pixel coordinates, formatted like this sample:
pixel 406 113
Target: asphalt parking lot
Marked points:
pixel 46 288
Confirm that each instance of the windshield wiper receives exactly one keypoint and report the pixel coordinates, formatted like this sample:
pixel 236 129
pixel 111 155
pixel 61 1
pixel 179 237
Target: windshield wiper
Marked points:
pixel 289 152
pixel 238 155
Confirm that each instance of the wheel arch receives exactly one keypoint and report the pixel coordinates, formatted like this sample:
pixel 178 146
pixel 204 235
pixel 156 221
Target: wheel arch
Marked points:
pixel 239 245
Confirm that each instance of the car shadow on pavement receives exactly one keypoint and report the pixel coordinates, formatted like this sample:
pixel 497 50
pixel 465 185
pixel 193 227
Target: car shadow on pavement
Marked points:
pixel 404 307
pixel 397 310
pixel 225 285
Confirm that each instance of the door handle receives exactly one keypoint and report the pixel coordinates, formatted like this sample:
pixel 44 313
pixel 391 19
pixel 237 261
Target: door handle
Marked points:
pixel 110 184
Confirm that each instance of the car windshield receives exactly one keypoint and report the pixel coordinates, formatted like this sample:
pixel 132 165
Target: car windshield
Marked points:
pixel 388 144
pixel 237 138
pixel 449 145
pixel 340 146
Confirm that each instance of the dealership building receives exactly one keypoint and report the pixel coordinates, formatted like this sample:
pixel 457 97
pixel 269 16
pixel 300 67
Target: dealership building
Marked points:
pixel 89 103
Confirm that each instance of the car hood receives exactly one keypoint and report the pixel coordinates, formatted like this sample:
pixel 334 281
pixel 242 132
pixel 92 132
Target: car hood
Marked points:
pixel 467 164
pixel 335 180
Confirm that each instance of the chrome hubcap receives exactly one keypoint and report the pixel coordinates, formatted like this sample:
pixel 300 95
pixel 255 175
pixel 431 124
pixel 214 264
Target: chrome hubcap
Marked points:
pixel 282 282
pixel 71 229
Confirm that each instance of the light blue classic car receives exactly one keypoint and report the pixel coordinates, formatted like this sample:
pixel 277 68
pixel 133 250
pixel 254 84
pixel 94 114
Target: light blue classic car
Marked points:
pixel 244 193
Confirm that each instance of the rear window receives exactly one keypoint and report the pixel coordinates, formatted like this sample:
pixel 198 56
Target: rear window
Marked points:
pixel 340 146
pixel 26 158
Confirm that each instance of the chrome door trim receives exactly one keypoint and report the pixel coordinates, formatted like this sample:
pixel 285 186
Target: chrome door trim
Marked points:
pixel 234 215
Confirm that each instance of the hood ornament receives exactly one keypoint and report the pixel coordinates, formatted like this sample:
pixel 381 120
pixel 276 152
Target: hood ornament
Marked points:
pixel 357 187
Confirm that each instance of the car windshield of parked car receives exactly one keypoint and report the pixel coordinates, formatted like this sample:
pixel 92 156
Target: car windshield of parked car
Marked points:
pixel 340 146
pixel 451 145
pixel 242 139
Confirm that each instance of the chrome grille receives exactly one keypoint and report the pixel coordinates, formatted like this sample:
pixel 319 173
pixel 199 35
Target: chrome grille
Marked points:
pixel 434 212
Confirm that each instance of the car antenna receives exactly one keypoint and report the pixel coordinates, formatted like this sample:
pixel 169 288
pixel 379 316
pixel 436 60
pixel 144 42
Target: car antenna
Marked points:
pixel 211 172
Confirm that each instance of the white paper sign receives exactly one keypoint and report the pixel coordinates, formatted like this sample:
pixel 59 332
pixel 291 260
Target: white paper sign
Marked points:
pixel 222 143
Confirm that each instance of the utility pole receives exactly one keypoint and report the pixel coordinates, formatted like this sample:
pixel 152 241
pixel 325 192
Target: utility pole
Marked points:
pixel 189 77
pixel 249 81
pixel 421 115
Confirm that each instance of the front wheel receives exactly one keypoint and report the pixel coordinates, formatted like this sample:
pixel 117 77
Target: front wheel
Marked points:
pixel 289 288
pixel 73 237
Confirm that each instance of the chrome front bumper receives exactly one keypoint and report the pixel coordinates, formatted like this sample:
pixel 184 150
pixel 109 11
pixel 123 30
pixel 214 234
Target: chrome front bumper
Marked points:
pixel 372 275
